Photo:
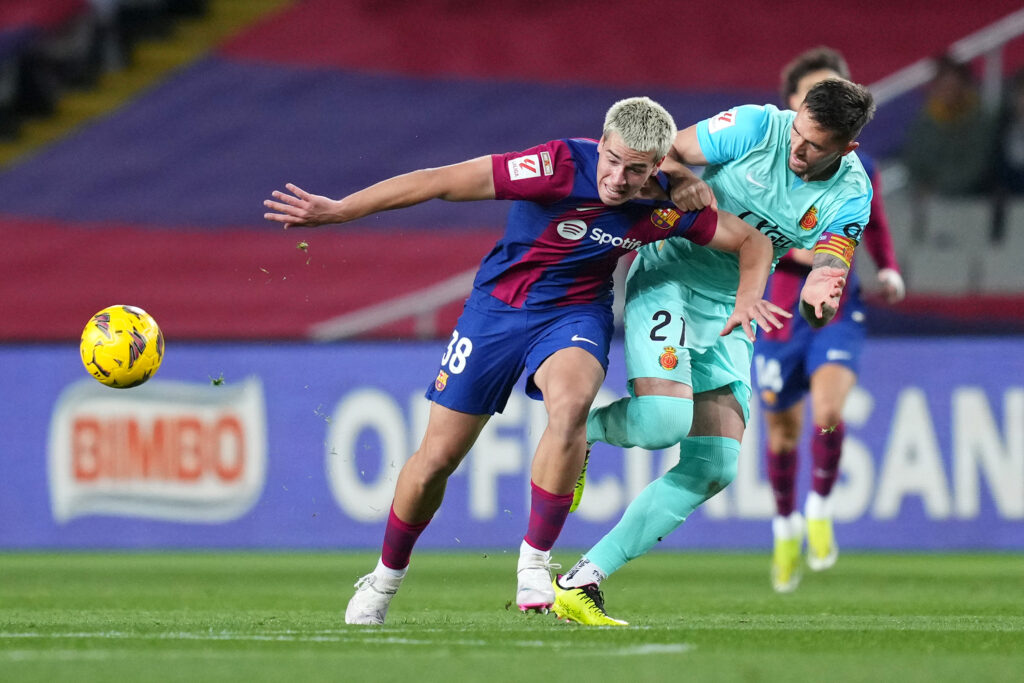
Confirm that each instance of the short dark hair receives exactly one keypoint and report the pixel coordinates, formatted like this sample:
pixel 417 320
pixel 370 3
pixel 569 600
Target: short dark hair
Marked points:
pixel 816 59
pixel 840 106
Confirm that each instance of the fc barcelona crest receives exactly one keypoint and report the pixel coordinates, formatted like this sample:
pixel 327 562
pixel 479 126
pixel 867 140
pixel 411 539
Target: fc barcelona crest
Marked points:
pixel 810 219
pixel 665 218
pixel 442 380
pixel 668 359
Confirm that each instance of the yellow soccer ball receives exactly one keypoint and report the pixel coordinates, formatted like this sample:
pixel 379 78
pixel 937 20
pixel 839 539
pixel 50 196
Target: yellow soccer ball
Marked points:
pixel 122 346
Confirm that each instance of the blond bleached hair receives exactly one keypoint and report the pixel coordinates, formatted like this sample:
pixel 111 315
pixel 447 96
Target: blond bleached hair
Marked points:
pixel 643 124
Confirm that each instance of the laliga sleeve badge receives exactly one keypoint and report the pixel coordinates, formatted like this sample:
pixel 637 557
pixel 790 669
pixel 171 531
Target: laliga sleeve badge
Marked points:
pixel 442 380
pixel 669 360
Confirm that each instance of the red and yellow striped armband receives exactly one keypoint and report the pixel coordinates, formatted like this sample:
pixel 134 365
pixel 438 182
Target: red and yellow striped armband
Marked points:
pixel 836 245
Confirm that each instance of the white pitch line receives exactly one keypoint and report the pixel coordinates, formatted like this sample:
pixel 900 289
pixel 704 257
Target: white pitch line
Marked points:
pixel 653 649
pixel 360 636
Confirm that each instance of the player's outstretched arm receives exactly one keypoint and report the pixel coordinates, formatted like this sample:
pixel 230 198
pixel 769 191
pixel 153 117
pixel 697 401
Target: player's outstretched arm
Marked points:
pixel 466 181
pixel 819 298
pixel 755 254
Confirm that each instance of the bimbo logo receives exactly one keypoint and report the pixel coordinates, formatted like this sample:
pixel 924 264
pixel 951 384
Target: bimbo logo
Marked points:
pixel 167 451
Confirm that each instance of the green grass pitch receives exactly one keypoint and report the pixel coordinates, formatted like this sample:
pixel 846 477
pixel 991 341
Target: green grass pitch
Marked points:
pixel 694 617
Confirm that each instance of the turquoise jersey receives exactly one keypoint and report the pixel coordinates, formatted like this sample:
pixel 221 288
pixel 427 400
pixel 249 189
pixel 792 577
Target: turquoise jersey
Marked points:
pixel 747 149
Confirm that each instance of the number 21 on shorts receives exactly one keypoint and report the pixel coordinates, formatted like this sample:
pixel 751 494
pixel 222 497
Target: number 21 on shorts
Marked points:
pixel 663 319
pixel 457 353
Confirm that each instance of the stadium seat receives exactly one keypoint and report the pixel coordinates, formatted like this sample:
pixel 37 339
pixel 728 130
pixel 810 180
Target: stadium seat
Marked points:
pixel 899 210
pixel 1013 226
pixel 964 223
pixel 939 270
pixel 1000 272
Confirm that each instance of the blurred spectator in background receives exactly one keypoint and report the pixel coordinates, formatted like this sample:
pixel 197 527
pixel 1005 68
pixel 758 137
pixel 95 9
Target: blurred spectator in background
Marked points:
pixel 1010 150
pixel 48 48
pixel 1009 180
pixel 949 146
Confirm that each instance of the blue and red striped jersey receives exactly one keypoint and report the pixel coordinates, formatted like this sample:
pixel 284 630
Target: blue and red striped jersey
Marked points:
pixel 561 243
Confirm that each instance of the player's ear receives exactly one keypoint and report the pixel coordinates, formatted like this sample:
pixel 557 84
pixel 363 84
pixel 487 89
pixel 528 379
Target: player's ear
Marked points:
pixel 657 165
pixel 849 148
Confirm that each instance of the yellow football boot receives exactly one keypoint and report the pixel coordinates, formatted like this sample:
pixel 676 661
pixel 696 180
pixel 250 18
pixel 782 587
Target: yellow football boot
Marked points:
pixel 584 605
pixel 822 551
pixel 577 492
pixel 786 567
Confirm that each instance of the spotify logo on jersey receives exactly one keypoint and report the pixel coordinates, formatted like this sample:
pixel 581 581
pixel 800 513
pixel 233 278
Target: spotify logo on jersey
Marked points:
pixel 572 230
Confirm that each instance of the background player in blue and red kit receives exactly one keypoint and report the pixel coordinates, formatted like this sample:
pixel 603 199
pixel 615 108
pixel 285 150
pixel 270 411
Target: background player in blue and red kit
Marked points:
pixel 798 359
pixel 541 303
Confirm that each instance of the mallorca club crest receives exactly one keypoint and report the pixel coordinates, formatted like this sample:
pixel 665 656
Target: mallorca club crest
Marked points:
pixel 664 218
pixel 668 359
pixel 810 219
pixel 442 380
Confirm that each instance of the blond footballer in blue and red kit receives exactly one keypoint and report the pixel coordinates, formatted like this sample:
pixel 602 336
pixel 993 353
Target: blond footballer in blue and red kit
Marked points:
pixel 541 303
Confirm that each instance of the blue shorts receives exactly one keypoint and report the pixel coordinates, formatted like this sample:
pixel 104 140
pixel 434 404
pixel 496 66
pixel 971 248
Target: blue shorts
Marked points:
pixel 784 368
pixel 493 343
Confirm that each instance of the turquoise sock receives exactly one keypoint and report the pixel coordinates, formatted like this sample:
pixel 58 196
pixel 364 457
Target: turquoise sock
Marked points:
pixel 706 466
pixel 651 422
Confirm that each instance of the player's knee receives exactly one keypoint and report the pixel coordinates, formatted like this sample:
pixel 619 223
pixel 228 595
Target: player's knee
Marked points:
pixel 658 422
pixel 708 463
pixel 432 462
pixel 782 442
pixel 567 411
pixel 828 415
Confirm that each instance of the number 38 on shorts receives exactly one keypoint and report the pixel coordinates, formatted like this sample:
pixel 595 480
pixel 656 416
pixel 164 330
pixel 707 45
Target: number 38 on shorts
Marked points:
pixel 457 353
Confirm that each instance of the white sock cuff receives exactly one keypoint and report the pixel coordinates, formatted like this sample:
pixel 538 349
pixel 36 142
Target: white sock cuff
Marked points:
pixel 384 570
pixel 818 506
pixel 786 528
pixel 583 573
pixel 527 549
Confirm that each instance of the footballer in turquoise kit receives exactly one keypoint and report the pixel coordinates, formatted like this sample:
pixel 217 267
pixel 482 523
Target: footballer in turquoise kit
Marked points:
pixel 747 149
pixel 794 177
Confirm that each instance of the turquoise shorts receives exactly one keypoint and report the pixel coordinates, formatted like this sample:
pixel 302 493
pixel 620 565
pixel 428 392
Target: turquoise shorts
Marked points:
pixel 672 333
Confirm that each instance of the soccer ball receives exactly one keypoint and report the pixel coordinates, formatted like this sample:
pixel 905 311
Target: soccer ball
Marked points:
pixel 122 346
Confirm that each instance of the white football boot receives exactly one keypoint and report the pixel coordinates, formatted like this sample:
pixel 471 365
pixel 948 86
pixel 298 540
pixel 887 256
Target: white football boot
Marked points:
pixel 534 590
pixel 369 605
